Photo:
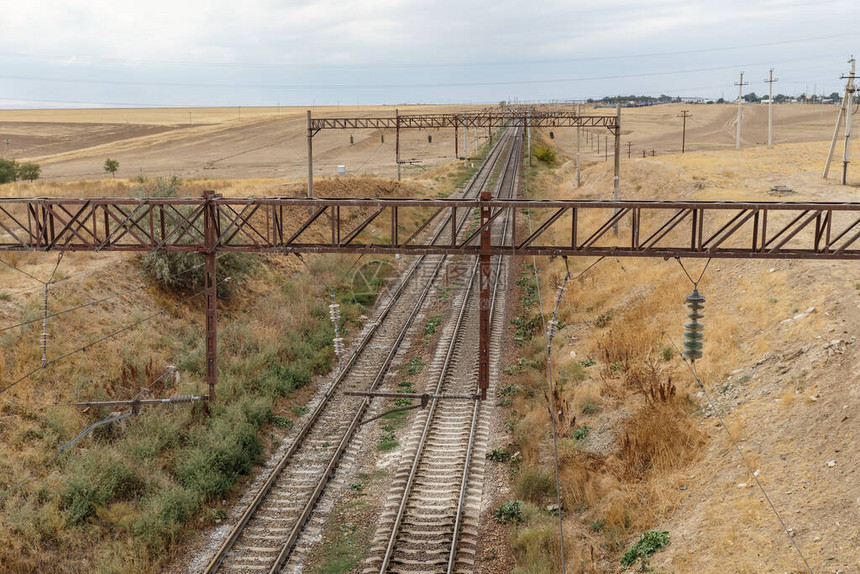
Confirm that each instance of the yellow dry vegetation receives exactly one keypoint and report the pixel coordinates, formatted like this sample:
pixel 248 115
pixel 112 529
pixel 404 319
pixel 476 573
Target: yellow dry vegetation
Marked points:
pixel 125 497
pixel 640 447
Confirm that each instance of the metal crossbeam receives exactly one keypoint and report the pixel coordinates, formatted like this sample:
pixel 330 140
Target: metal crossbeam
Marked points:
pixel 758 230
pixel 557 119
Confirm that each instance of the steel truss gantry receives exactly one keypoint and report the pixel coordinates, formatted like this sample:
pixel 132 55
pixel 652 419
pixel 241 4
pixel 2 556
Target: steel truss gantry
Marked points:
pixel 489 118
pixel 213 224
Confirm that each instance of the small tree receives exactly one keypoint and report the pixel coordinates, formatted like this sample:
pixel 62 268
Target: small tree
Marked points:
pixel 29 171
pixel 8 170
pixel 111 165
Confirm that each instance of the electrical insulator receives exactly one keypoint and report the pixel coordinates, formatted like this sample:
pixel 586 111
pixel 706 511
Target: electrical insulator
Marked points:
pixel 381 138
pixel 552 327
pixel 338 346
pixel 693 334
pixel 560 293
pixel 334 313
pixel 551 136
pixel 429 138
pixel 351 140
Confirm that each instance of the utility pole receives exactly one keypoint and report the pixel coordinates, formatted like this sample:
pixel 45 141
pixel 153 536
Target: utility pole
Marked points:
pixel 846 153
pixel 844 110
pixel 740 86
pixel 770 81
pixel 684 114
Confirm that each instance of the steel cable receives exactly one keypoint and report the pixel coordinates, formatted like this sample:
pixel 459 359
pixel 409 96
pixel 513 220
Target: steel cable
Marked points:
pixel 692 368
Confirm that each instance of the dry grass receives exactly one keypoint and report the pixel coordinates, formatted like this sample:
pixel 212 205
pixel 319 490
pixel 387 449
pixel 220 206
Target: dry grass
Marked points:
pixel 124 520
pixel 645 430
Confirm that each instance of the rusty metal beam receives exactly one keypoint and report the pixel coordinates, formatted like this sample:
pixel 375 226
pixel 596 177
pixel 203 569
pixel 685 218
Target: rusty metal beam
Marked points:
pixel 756 230
pixel 466 120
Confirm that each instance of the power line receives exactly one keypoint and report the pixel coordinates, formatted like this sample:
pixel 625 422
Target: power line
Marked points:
pixel 296 86
pixel 691 367
pixel 104 300
pixel 459 64
pixel 103 338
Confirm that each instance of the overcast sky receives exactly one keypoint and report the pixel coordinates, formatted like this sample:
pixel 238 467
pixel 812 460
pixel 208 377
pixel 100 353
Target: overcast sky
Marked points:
pixel 302 52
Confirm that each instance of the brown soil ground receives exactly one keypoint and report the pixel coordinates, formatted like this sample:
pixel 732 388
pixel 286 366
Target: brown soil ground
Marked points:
pixel 230 143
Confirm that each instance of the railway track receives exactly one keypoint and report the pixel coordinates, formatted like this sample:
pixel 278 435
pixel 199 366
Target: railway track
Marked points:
pixel 430 523
pixel 265 535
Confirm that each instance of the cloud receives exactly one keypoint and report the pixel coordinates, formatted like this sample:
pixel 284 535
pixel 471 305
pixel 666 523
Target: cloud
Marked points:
pixel 255 50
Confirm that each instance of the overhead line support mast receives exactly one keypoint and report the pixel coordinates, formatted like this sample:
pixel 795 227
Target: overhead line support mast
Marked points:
pixel 214 224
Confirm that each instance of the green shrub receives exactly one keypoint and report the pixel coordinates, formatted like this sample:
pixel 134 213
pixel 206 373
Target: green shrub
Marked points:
pixel 432 323
pixel 282 422
pixel 97 478
pixel 182 271
pixel 649 544
pixel 218 453
pixel 509 512
pixel 164 514
pixel 29 171
pixel 415 366
pixel 581 433
pixel 499 455
pixel 546 155
pixel 8 170
pixel 155 433
pixel 387 441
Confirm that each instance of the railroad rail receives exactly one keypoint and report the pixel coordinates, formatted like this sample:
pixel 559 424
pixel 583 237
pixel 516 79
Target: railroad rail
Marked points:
pixel 422 529
pixel 266 534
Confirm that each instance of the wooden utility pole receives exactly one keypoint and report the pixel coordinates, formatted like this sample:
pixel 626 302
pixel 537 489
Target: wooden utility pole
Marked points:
pixel 844 110
pixel 770 81
pixel 740 86
pixel 684 114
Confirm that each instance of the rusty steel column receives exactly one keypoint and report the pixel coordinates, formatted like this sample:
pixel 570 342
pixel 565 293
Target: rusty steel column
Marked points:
pixel 397 141
pixel 456 139
pixel 211 292
pixel 310 157
pixel 616 178
pixel 484 317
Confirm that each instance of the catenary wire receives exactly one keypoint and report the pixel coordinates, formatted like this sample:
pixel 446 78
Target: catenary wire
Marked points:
pixel 692 368
pixel 551 401
pixel 104 300
pixel 103 338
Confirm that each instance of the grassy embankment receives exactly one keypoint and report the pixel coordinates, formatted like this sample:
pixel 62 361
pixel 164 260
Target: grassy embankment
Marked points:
pixel 122 498
pixel 629 414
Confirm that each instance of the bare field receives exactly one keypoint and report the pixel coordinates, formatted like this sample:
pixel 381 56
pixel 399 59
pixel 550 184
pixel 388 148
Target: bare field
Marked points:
pixel 238 143
pixel 222 143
